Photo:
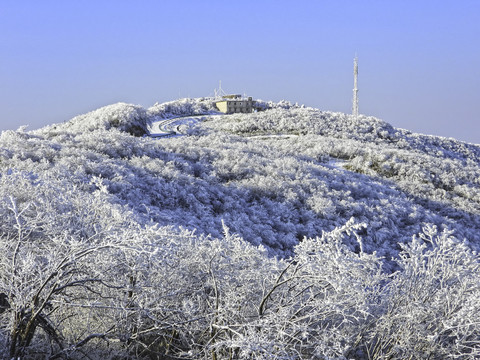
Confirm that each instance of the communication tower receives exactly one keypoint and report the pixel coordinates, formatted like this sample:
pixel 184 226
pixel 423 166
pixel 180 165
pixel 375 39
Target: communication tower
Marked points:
pixel 355 88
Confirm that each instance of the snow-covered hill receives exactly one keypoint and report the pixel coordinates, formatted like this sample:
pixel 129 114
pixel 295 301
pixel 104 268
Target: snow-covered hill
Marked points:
pixel 270 190
pixel 277 179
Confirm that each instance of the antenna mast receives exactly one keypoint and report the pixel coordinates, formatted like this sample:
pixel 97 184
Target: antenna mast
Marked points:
pixel 355 88
pixel 219 92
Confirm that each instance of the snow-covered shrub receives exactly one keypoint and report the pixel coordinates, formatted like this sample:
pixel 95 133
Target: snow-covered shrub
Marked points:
pixel 323 300
pixel 125 117
pixel 57 251
pixel 189 290
pixel 282 104
pixel 183 107
pixel 431 305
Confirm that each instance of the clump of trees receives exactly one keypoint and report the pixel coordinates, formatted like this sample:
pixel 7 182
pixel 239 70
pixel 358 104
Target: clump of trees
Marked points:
pixel 183 107
pixel 117 289
pixel 130 118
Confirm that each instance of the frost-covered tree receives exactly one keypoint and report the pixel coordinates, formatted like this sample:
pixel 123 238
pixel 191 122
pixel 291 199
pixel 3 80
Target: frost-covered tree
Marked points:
pixel 430 308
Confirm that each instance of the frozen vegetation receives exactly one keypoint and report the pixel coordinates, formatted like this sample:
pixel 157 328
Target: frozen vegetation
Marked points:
pixel 290 233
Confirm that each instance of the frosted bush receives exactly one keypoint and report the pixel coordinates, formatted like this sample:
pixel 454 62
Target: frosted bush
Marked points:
pixel 428 308
pixel 183 107
pixel 125 117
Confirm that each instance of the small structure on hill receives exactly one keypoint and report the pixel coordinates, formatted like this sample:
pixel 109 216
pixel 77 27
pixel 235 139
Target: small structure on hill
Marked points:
pixel 233 103
pixel 230 104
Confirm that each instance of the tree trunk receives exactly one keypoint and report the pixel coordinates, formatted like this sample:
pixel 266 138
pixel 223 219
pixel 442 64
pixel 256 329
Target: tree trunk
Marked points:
pixel 22 333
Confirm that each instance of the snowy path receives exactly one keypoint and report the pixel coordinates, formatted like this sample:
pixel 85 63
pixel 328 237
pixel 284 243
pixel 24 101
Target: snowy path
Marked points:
pixel 273 136
pixel 169 127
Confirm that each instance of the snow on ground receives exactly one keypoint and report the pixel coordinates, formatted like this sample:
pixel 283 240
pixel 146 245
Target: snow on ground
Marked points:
pixel 269 136
pixel 172 126
pixel 336 163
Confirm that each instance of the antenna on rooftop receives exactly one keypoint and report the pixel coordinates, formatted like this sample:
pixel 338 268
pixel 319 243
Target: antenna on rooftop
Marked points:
pixel 219 92
pixel 355 88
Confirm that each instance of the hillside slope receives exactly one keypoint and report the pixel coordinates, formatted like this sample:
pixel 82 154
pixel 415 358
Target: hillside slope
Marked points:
pixel 178 227
pixel 271 190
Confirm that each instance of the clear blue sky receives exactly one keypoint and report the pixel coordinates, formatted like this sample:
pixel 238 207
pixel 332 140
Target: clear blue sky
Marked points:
pixel 419 61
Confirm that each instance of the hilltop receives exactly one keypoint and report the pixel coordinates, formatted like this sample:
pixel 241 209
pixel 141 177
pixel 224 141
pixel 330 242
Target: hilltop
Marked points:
pixel 261 191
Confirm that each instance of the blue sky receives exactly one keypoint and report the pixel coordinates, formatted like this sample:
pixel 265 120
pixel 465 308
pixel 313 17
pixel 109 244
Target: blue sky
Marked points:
pixel 419 61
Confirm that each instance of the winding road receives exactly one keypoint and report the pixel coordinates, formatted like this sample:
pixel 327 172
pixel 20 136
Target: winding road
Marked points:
pixel 170 127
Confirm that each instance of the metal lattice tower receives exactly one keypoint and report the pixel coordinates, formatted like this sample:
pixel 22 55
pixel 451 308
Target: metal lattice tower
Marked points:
pixel 355 88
